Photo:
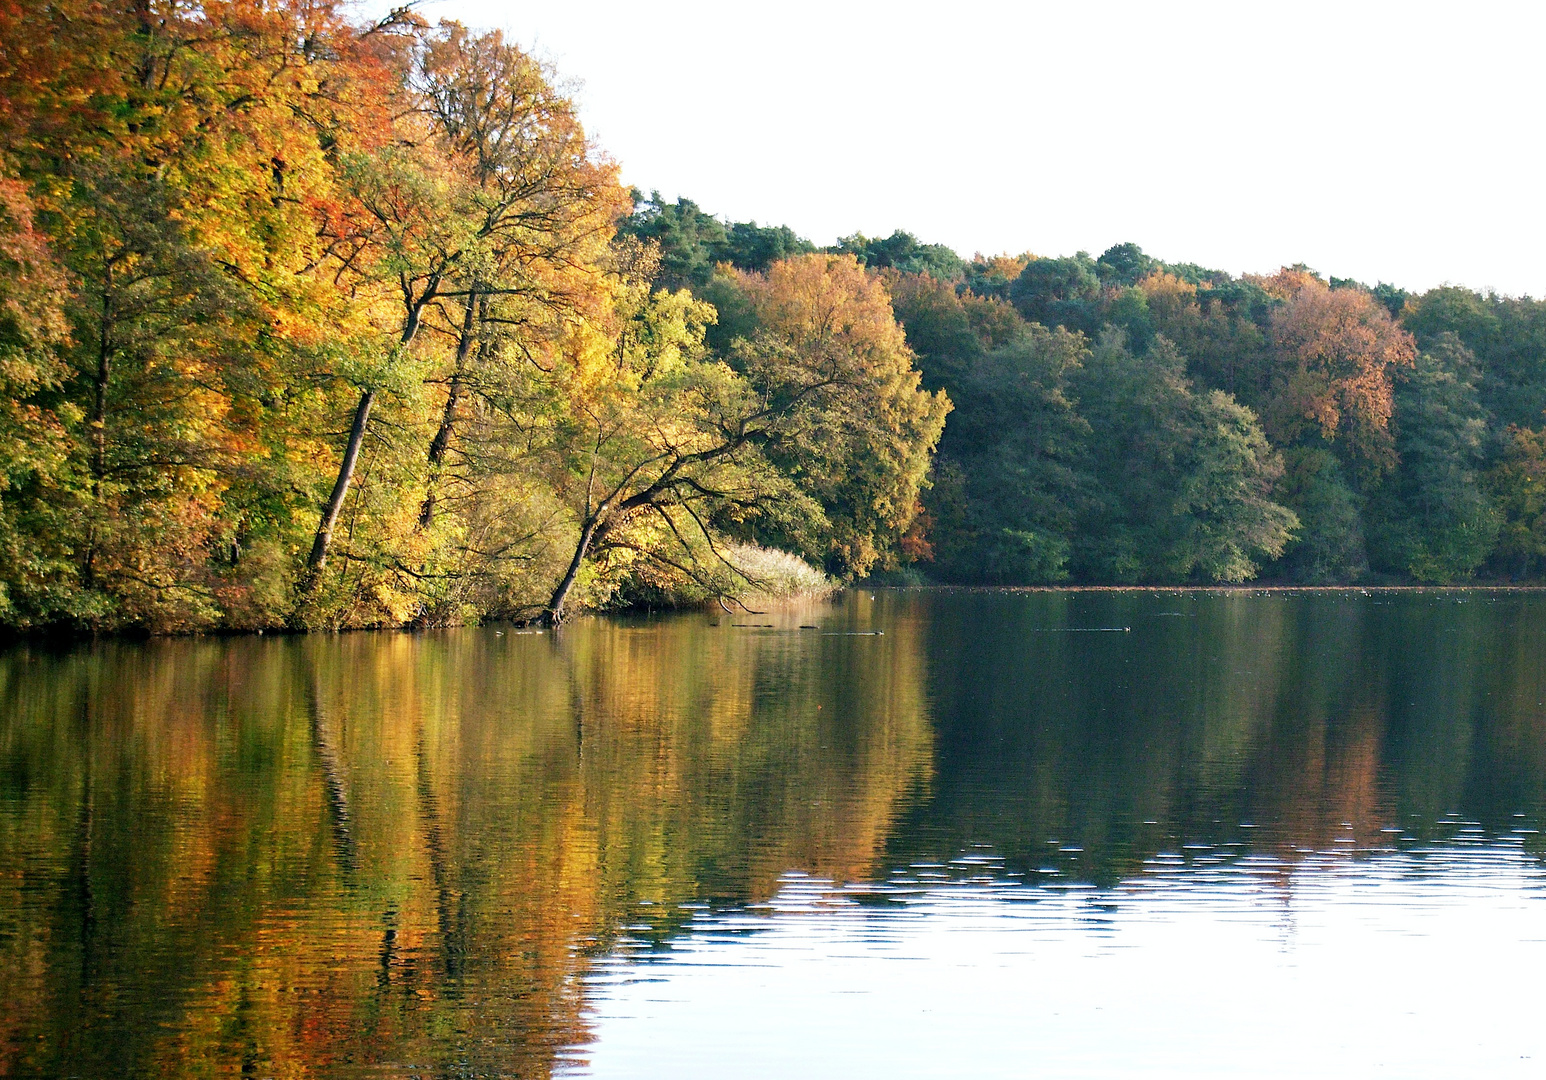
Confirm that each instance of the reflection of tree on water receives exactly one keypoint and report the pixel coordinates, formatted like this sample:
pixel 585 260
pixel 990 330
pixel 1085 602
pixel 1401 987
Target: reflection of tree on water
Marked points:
pixel 750 755
pixel 371 853
pixel 356 854
pixel 1320 720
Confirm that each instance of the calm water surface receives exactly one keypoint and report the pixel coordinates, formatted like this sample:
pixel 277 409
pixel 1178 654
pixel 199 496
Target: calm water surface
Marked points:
pixel 907 834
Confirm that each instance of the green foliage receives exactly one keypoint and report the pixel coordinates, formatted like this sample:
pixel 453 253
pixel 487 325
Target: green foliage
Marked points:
pixel 735 317
pixel 1432 518
pixel 1183 480
pixel 1507 335
pixel 1127 309
pixel 939 327
pixel 1106 466
pixel 1471 317
pixel 1330 546
pixel 1517 485
pixel 1013 464
pixel 1124 265
pixel 1219 328
pixel 40 485
pixel 1059 292
pixel 692 242
pixel 901 251
pixel 749 246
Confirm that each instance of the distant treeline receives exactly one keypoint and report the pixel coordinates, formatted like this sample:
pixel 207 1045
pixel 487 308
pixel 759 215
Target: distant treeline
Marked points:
pixel 1121 420
pixel 310 322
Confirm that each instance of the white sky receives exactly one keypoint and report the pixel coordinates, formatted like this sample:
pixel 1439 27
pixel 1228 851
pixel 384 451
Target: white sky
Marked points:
pixel 1383 141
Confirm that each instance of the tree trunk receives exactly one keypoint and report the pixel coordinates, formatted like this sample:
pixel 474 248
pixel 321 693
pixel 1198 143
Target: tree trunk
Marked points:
pixel 442 440
pixel 437 450
pixel 335 503
pixel 99 428
pixel 99 414
pixel 335 787
pixel 450 903
pixel 554 614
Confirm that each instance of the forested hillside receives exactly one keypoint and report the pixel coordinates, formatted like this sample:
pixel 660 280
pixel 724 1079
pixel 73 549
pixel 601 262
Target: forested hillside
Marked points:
pixel 312 323
pixel 1123 420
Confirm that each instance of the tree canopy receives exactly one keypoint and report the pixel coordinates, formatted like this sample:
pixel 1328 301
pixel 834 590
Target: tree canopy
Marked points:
pixel 315 322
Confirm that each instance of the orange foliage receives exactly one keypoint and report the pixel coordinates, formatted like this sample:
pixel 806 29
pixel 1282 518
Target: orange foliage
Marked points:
pixel 821 301
pixel 915 541
pixel 999 268
pixel 1168 296
pixel 1335 349
pixel 880 428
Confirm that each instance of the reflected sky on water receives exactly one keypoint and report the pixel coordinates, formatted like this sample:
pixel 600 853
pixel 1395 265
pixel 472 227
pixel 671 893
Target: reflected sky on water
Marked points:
pixel 907 834
pixel 1402 967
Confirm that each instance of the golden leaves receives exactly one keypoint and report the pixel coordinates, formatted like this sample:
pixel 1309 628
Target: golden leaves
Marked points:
pixel 1335 351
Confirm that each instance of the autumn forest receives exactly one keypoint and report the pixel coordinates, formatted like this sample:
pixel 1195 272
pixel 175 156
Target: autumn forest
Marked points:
pixel 308 322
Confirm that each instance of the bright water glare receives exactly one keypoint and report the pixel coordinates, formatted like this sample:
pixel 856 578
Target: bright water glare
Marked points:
pixel 1412 967
pixel 906 834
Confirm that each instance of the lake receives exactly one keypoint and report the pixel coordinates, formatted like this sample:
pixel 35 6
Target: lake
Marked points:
pixel 910 833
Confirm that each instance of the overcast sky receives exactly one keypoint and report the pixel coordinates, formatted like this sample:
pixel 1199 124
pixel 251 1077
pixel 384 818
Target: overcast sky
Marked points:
pixel 1397 142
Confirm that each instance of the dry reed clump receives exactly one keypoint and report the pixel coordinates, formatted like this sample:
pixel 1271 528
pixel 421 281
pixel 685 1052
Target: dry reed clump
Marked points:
pixel 777 575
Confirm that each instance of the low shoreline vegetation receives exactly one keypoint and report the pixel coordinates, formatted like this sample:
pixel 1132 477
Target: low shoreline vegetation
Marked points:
pixel 313 323
pixel 774 577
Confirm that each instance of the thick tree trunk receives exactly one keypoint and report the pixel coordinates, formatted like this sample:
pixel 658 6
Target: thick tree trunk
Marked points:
pixel 335 502
pixel 554 614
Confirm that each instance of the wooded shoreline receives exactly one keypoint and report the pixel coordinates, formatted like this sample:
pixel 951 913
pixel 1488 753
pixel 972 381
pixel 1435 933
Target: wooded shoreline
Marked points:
pixel 308 322
pixel 69 637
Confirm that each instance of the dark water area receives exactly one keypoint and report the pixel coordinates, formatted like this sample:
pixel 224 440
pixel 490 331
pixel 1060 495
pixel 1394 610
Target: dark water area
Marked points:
pixel 910 833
